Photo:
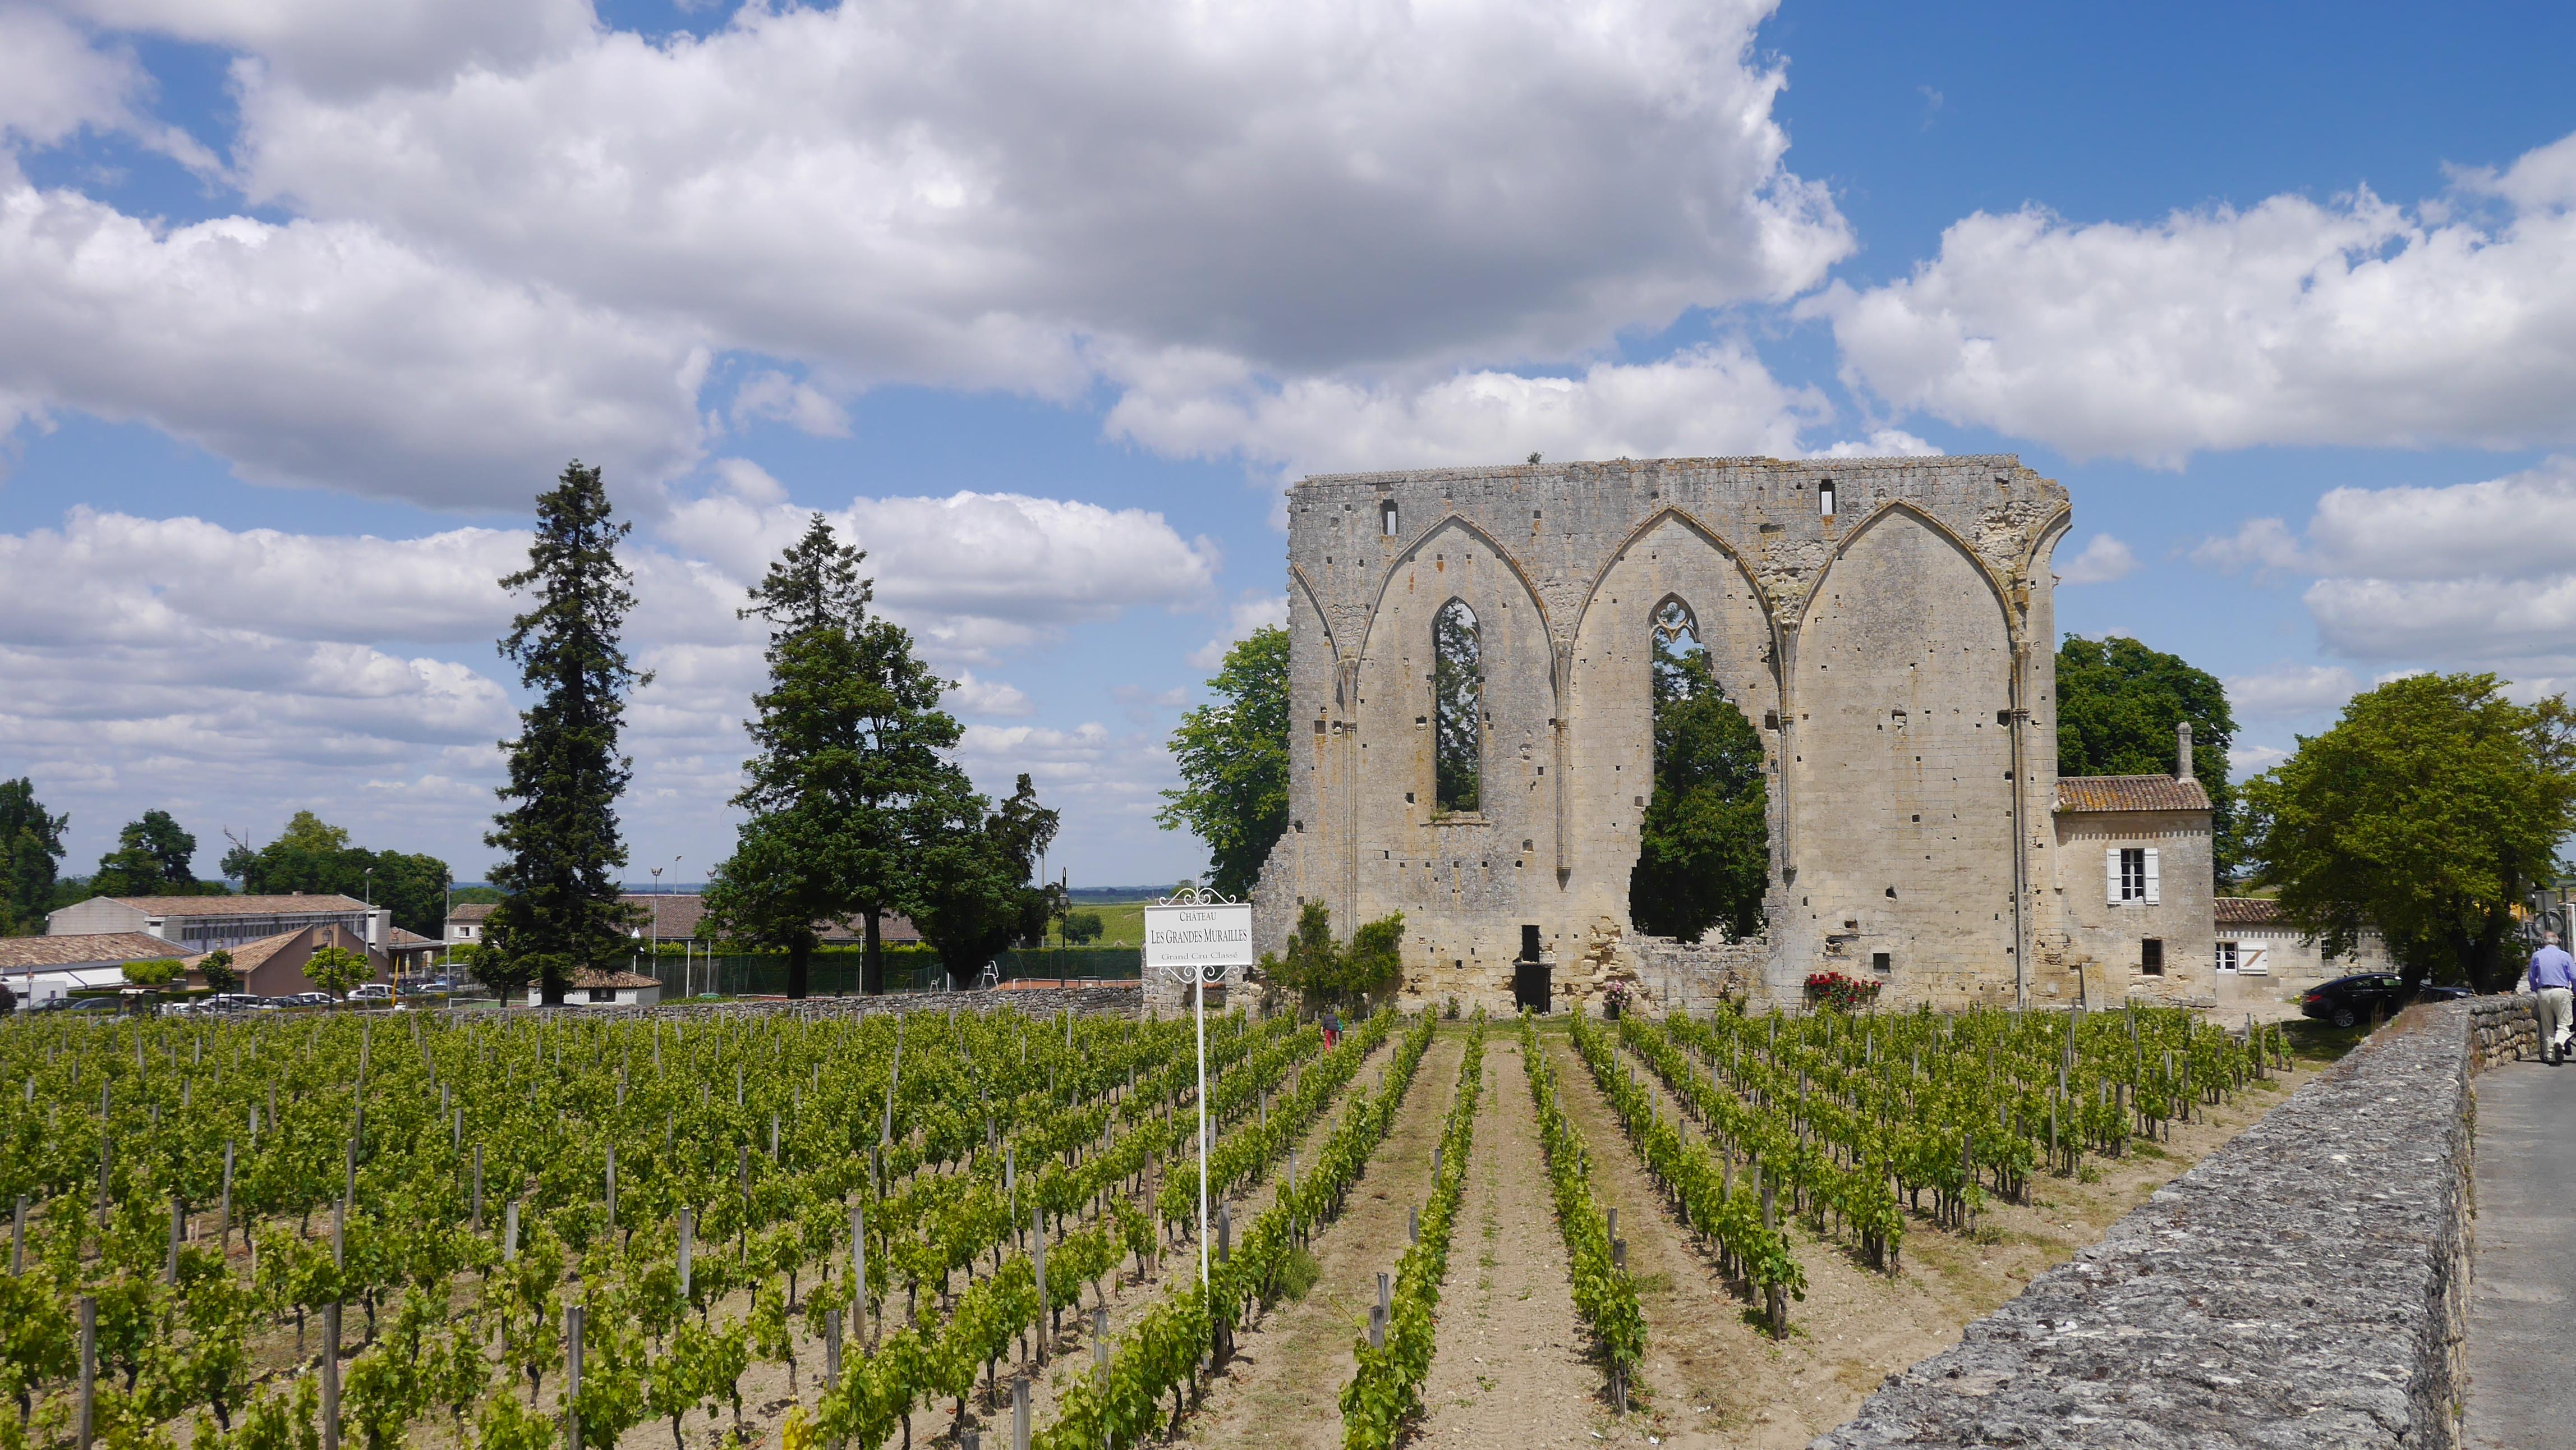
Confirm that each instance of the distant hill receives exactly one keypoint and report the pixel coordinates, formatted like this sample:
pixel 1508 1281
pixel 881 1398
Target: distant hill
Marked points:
pixel 1116 895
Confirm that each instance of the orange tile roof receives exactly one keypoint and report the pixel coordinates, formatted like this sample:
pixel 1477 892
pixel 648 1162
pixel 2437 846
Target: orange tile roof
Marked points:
pixel 106 948
pixel 2246 911
pixel 327 903
pixel 2130 793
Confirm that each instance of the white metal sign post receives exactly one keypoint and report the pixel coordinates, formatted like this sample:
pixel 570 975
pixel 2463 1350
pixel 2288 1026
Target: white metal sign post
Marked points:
pixel 1192 937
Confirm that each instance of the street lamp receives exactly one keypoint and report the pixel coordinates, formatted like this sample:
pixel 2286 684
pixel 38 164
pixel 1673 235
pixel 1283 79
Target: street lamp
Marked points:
pixel 1200 934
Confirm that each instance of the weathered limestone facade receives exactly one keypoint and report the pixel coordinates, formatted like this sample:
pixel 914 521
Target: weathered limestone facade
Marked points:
pixel 1895 648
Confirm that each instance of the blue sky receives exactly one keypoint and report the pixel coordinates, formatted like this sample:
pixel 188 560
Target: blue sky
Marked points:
pixel 1047 303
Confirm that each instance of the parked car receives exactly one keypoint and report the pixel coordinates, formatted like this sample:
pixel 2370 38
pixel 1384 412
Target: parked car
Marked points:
pixel 2346 1001
pixel 305 999
pixel 371 992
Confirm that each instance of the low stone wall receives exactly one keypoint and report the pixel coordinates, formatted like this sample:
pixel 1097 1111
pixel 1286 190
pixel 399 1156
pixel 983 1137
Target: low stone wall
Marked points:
pixel 1680 976
pixel 2305 1285
pixel 2502 1029
pixel 1110 1001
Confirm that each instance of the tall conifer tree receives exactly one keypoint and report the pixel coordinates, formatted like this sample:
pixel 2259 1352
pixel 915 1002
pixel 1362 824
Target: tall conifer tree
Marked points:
pixel 559 836
pixel 852 792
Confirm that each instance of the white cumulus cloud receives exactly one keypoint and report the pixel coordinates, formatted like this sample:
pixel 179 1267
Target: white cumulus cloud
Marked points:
pixel 2102 559
pixel 323 354
pixel 2289 691
pixel 1714 400
pixel 2354 321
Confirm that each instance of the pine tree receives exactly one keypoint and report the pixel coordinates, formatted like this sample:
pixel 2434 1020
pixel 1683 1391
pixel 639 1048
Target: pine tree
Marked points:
pixel 559 836
pixel 852 793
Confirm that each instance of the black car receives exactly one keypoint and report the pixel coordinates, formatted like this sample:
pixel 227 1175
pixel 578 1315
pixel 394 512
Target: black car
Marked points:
pixel 2364 995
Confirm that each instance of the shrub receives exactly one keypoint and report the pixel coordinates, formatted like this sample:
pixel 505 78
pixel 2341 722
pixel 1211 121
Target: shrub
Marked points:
pixel 1838 992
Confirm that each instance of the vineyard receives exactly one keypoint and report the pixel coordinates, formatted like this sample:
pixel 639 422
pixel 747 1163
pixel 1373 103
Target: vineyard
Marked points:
pixel 531 1230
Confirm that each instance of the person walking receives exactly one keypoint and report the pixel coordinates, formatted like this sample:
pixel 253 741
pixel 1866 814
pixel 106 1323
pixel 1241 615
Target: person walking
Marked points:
pixel 2552 976
pixel 1333 1028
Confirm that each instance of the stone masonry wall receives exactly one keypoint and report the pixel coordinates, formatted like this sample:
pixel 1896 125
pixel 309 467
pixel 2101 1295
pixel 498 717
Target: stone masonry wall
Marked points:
pixel 1119 1001
pixel 2303 1286
pixel 1894 652
pixel 2502 1029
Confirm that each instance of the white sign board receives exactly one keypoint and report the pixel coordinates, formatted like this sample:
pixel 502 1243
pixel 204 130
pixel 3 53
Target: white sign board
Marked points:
pixel 1198 936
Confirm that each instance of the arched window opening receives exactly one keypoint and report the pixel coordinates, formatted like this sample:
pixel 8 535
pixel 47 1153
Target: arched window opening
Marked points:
pixel 1704 843
pixel 1457 709
pixel 1386 518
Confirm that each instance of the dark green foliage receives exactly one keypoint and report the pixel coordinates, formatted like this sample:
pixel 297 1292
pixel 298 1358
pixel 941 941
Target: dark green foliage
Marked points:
pixel 1081 927
pixel 1324 972
pixel 314 857
pixel 153 857
pixel 976 897
pixel 558 837
pixel 852 787
pixel 1232 755
pixel 2117 705
pixel 1704 853
pixel 1457 710
pixel 2426 812
pixel 31 843
pixel 218 971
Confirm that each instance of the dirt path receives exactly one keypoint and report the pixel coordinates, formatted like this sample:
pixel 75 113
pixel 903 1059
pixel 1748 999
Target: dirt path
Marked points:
pixel 1511 1367
pixel 1284 1386
pixel 1069 1354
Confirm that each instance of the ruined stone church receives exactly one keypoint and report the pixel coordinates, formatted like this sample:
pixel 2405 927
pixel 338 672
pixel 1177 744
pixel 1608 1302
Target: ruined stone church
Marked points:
pixel 1884 624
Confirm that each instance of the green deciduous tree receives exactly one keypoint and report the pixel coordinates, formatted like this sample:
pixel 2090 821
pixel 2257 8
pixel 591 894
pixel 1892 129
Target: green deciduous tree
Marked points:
pixel 153 857
pixel 852 787
pixel 1081 927
pixel 314 857
pixel 1232 756
pixel 1457 710
pixel 337 969
pixel 977 897
pixel 218 971
pixel 1704 849
pixel 2426 811
pixel 31 847
pixel 2117 705
pixel 559 841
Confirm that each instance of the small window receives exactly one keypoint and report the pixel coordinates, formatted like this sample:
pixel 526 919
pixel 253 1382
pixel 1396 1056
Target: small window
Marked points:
pixel 1386 518
pixel 603 994
pixel 1825 498
pixel 2151 956
pixel 2227 956
pixel 2130 875
pixel 1879 963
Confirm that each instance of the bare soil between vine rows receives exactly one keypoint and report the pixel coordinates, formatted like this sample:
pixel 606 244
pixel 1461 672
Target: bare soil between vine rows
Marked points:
pixel 1283 1386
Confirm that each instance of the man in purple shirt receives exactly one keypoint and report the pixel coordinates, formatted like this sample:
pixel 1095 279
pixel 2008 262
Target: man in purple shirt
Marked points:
pixel 2553 975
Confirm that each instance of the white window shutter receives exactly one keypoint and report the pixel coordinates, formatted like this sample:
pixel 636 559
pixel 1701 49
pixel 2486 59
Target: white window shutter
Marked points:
pixel 2111 875
pixel 2153 894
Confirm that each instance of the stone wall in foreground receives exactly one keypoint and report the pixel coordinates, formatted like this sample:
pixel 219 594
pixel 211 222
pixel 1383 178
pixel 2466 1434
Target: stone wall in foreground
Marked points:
pixel 1113 1001
pixel 2305 1285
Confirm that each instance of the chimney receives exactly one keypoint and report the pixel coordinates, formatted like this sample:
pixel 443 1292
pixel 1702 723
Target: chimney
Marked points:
pixel 2182 751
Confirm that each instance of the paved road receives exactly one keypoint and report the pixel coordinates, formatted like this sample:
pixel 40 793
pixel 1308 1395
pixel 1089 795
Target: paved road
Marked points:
pixel 2521 1390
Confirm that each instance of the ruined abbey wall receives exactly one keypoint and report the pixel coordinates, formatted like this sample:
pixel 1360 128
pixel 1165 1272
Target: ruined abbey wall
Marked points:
pixel 1895 653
